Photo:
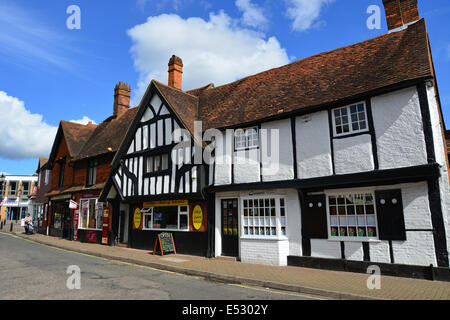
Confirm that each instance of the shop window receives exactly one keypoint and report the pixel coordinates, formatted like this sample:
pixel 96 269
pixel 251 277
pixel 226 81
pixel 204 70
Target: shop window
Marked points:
pixel 350 119
pixel 264 217
pixel 166 218
pixel 90 218
pixel 246 139
pixel 352 216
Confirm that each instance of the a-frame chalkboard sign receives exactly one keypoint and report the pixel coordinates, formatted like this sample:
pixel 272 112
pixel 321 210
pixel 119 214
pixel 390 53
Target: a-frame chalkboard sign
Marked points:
pixel 166 244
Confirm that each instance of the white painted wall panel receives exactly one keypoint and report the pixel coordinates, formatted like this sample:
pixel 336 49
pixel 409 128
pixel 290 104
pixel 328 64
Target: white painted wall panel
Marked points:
pixel 398 127
pixel 353 155
pixel 278 151
pixel 246 166
pixel 313 146
pixel 416 206
pixel 418 250
pixel 354 251
pixel 223 160
pixel 325 249
pixel 379 252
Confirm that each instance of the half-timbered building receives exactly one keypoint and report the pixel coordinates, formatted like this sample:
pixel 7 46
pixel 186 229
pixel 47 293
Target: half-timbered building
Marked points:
pixel 334 159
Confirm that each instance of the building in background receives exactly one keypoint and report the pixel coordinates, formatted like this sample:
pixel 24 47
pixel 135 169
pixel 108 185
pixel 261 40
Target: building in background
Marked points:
pixel 15 191
pixel 38 205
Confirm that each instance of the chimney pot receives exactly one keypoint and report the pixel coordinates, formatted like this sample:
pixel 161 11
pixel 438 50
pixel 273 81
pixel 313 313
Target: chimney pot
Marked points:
pixel 121 99
pixel 175 72
pixel 400 13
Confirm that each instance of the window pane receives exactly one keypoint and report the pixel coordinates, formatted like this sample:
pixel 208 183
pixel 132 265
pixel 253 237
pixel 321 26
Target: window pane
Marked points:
pixel 149 164
pixel 184 222
pixel 157 163
pixel 165 218
pixel 165 161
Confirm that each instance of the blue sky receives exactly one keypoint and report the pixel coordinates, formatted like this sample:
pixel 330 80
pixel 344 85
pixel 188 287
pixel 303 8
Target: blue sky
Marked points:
pixel 50 73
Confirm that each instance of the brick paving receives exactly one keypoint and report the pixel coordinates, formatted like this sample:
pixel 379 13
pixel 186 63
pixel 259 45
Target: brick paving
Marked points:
pixel 322 282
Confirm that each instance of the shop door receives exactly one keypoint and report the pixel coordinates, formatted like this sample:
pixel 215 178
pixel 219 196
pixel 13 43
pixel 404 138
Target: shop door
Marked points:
pixel 67 223
pixel 230 228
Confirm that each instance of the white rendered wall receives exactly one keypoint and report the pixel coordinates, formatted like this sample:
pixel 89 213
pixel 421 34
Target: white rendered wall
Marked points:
pixel 313 146
pixel 246 166
pixel 281 144
pixel 270 252
pixel 399 129
pixel 353 155
pixel 223 160
pixel 440 152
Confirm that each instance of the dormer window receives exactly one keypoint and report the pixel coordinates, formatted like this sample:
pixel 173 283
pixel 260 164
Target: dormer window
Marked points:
pixel 246 139
pixel 350 119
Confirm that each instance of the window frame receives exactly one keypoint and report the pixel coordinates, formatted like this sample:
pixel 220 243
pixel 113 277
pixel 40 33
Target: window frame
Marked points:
pixel 350 122
pixel 246 135
pixel 88 215
pixel 91 175
pixel 12 193
pixel 278 222
pixel 150 211
pixel 161 172
pixel 353 192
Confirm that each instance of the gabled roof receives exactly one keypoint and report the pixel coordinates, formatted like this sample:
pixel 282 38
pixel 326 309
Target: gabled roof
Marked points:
pixel 42 163
pixel 322 79
pixel 76 135
pixel 108 134
pixel 183 104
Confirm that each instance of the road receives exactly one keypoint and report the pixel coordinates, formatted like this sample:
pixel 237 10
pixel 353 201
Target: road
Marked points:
pixel 33 271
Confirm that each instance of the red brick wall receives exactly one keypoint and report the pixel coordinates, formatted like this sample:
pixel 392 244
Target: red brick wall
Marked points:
pixel 63 151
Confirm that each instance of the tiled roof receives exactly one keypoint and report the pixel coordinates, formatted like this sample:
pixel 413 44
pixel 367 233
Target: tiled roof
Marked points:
pixel 108 134
pixel 322 79
pixel 76 135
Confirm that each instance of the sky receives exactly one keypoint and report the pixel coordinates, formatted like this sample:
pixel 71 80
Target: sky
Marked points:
pixel 60 62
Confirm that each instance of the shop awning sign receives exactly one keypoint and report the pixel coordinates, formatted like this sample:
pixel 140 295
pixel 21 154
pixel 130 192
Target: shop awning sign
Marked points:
pixel 73 204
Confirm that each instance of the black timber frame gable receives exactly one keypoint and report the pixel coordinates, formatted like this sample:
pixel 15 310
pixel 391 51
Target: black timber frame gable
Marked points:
pixel 122 154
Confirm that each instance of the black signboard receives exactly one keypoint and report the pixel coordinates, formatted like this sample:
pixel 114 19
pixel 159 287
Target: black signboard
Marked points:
pixel 166 244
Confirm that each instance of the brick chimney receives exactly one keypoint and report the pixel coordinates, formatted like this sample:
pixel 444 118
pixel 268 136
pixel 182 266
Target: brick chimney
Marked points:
pixel 175 72
pixel 400 13
pixel 121 99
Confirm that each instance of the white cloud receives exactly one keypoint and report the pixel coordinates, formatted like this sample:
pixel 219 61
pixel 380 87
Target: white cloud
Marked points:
pixel 215 51
pixel 84 121
pixel 305 13
pixel 23 135
pixel 253 15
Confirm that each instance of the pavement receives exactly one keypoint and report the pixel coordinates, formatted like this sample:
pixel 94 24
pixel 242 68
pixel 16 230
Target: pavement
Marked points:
pixel 324 283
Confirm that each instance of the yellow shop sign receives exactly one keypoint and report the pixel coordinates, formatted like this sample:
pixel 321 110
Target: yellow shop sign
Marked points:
pixel 197 217
pixel 166 203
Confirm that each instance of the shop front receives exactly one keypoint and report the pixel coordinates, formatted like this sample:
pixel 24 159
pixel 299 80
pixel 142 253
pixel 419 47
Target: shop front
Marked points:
pixel 185 220
pixel 88 222
pixel 60 217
